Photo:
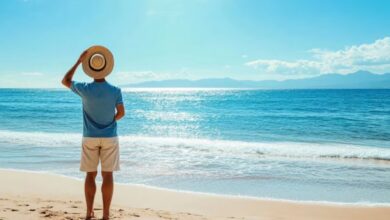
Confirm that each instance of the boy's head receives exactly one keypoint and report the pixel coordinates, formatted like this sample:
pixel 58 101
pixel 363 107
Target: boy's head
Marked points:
pixel 98 63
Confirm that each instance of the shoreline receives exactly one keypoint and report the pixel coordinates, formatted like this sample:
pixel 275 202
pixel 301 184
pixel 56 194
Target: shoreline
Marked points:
pixel 227 196
pixel 61 193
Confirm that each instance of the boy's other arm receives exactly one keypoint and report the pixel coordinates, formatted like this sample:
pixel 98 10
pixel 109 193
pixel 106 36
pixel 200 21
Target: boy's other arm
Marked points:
pixel 67 80
pixel 120 112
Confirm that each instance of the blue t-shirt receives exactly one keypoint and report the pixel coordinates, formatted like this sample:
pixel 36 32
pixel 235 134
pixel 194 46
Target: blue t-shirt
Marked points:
pixel 99 102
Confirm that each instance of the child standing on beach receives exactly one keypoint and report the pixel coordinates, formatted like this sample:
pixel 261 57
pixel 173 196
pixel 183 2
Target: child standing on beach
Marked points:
pixel 102 108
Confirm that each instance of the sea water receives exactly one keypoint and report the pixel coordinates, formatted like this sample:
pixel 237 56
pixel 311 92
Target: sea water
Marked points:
pixel 316 145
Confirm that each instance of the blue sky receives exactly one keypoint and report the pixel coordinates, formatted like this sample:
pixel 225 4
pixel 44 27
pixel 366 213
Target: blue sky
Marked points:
pixel 155 40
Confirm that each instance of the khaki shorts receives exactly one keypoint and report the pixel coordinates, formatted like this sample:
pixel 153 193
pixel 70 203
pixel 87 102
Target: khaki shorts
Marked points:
pixel 104 149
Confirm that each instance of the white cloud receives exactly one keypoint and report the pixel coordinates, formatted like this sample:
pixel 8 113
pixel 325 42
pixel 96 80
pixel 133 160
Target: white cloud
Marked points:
pixel 136 75
pixel 139 76
pixel 373 57
pixel 29 80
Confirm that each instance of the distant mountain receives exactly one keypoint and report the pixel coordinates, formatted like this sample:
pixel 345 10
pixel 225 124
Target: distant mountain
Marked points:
pixel 357 80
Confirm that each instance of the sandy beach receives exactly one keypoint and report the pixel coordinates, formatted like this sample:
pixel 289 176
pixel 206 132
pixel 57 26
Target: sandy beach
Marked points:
pixel 27 195
pixel 194 110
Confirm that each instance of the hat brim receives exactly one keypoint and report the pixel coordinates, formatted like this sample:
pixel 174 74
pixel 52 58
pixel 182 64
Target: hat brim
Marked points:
pixel 108 66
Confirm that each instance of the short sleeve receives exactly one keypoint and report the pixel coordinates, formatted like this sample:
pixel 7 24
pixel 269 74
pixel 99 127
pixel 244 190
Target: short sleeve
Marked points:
pixel 78 87
pixel 119 99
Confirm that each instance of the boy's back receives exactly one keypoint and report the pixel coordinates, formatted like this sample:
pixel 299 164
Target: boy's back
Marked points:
pixel 99 102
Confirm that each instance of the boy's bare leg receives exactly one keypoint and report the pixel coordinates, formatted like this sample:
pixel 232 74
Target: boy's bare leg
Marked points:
pixel 90 190
pixel 107 191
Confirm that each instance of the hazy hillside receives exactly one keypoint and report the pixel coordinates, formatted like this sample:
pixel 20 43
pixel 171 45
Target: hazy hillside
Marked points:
pixel 360 79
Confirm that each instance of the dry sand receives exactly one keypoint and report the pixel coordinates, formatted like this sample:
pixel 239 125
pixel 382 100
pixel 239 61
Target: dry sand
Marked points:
pixel 26 195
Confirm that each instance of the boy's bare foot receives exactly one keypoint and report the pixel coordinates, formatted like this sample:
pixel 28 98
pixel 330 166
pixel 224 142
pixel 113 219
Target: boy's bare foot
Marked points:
pixel 90 216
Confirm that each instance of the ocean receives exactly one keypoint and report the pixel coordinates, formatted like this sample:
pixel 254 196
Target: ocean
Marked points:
pixel 305 145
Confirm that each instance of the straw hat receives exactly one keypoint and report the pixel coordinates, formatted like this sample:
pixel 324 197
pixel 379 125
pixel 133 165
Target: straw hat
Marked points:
pixel 98 63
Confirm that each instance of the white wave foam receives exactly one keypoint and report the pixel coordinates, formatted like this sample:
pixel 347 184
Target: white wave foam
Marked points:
pixel 39 138
pixel 216 147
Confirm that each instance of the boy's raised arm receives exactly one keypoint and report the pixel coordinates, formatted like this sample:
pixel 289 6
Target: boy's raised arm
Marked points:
pixel 67 80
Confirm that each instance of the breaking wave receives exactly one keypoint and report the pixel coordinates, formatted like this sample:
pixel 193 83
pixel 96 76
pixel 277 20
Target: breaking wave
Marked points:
pixel 291 150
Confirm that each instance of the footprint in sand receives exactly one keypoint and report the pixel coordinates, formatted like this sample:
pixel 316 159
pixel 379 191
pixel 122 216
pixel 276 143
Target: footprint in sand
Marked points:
pixel 135 215
pixel 48 213
pixel 11 209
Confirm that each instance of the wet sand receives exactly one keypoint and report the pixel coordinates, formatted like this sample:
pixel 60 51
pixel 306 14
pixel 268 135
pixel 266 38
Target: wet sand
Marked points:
pixel 27 195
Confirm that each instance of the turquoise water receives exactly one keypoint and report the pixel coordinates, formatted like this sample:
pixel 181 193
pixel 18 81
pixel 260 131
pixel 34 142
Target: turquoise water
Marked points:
pixel 321 145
